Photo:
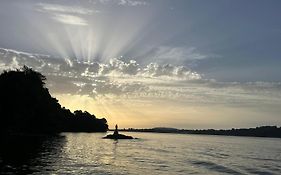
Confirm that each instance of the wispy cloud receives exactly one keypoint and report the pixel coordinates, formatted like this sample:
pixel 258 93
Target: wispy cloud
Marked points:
pixel 57 8
pixel 70 19
pixel 190 53
pixel 132 2
pixel 178 55
pixel 121 2
pixel 66 14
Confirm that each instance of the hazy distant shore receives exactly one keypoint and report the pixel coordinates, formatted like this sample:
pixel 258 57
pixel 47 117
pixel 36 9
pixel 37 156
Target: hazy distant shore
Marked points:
pixel 262 131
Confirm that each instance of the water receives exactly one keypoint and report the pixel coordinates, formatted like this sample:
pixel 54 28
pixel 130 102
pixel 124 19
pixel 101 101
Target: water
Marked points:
pixel 153 153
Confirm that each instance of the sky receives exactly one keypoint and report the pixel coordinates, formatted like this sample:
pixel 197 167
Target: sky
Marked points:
pixel 152 63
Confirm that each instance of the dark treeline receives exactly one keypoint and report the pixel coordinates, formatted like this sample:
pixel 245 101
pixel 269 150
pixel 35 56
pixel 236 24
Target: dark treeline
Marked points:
pixel 26 106
pixel 262 131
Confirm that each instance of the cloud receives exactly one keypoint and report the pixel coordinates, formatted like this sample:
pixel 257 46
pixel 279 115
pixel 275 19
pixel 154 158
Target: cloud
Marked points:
pixel 70 19
pixel 66 14
pixel 56 8
pixel 119 67
pixel 121 2
pixel 177 55
pixel 132 2
pixel 94 78
pixel 174 53
pixel 143 82
pixel 170 71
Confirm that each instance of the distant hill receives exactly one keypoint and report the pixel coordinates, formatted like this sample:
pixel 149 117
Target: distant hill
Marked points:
pixel 262 131
pixel 26 106
pixel 165 129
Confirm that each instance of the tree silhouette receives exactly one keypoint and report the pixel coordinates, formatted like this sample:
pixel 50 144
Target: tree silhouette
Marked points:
pixel 26 106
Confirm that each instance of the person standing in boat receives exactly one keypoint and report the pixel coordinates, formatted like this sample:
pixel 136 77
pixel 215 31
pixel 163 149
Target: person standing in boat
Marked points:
pixel 116 130
pixel 116 135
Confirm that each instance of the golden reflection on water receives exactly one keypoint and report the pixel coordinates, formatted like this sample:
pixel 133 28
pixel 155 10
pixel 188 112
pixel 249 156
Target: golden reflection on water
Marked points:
pixel 88 153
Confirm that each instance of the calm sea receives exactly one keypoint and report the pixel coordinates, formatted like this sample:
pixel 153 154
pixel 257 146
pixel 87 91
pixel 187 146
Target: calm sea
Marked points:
pixel 152 153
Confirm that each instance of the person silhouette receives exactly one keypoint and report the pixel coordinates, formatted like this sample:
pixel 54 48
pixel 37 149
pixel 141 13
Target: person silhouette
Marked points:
pixel 116 135
pixel 116 130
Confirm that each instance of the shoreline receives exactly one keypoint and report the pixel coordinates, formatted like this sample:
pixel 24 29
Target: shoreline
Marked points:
pixel 263 131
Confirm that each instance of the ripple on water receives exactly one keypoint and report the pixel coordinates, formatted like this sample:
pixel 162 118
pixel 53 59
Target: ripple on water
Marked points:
pixel 258 171
pixel 214 167
pixel 154 154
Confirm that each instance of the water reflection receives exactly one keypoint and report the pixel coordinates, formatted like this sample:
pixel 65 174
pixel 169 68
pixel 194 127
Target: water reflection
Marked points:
pixel 27 154
pixel 154 154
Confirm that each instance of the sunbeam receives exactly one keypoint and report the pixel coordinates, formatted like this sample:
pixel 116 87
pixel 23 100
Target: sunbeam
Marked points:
pixel 177 68
pixel 131 58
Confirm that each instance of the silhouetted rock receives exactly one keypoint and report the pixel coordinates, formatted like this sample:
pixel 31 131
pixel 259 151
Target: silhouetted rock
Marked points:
pixel 26 106
pixel 116 135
